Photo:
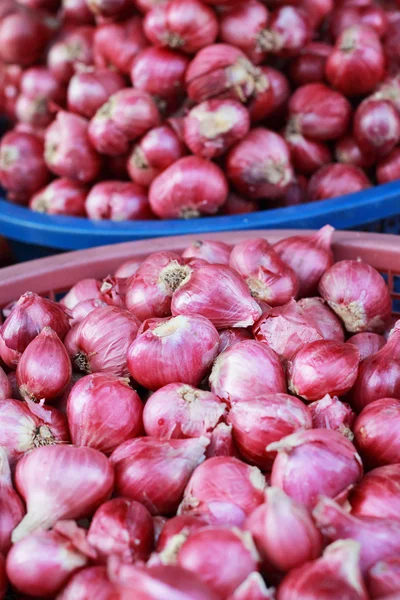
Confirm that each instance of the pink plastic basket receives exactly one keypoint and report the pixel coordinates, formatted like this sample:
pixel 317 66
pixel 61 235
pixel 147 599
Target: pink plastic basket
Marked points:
pixel 49 276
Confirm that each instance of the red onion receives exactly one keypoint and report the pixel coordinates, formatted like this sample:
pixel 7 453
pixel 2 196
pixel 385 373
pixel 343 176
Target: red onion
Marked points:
pixel 127 269
pixel 8 356
pixel 287 33
pixel 190 187
pixel 161 73
pixel 218 293
pixel 61 197
pixel 389 168
pixel 372 16
pixel 44 369
pixel 213 252
pixel 179 349
pixel 280 90
pixel 118 201
pixel 24 35
pixel 377 127
pixel 245 371
pixel 376 432
pixel 309 257
pixel 73 483
pixel 225 490
pixel 155 472
pixel 161 581
pixel 74 50
pixel 230 337
pixel 150 290
pixel 357 63
pixel 269 95
pixel 383 578
pixel 336 465
pixel 223 70
pixel 331 413
pixel 269 279
pixel 235 205
pixel 307 155
pixel 22 168
pixel 264 420
pixel 283 531
pixel 358 294
pixel 68 152
pixel 5 388
pixel 212 127
pixel 31 314
pixel 103 412
pixel 82 309
pixel 309 65
pixel 117 44
pixel 92 289
pixel 377 494
pixel 244 27
pixel 126 115
pixel 253 588
pixel 158 149
pixel 102 339
pixel 11 507
pixel 318 112
pixel 259 166
pixel 175 531
pixel 379 374
pixel 39 87
pixel 389 90
pixel 367 343
pixel 221 442
pixel 335 180
pixel 335 575
pixel 348 151
pixel 323 367
pixel 325 320
pixel 122 528
pixel 76 11
pixel 90 582
pixel 187 25
pixel 221 575
pixel 41 564
pixel 182 411
pixel 379 538
pixel 89 90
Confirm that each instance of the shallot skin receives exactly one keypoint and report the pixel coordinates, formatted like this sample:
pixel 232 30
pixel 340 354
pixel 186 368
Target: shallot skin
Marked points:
pixel 377 432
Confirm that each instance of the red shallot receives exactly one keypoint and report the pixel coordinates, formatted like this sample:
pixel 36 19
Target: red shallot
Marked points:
pixel 103 412
pixel 378 493
pixel 246 371
pixel 181 348
pixel 221 442
pixel 11 507
pixel 376 434
pixel 90 89
pixel 155 472
pixel 117 44
pixel 389 168
pixel 336 465
pixel 211 251
pixel 253 588
pixel 61 197
pixel 309 65
pixel 92 582
pixel 331 413
pixel 376 127
pixel 118 201
pixel 367 343
pixel 324 319
pixel 244 27
pixel 73 483
pixel 5 387
pixel 283 531
pixel 73 51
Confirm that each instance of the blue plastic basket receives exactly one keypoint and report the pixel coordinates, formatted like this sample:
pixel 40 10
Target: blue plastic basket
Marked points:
pixel 34 235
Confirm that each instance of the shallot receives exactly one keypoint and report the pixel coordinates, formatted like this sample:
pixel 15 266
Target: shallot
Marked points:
pixel 378 493
pixel 376 434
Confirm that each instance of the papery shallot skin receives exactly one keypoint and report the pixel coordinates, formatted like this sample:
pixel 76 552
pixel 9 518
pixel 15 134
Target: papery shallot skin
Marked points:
pixel 358 294
pixel 269 279
pixel 204 553
pixel 92 582
pixel 11 507
pixel 101 341
pixel 309 256
pixel 103 412
pixel 324 319
pixel 264 420
pixel 335 575
pixel 323 367
pixel 377 434
pixel 336 465
pixel 331 413
pixel 209 250
pixel 224 490
pixel 218 293
pixel 379 538
pixel 221 442
pixel 253 588
pixel 247 370
pixel 181 411
pixel 155 472
pixel 283 531
pixel 179 349
pixel 117 44
pixel 367 343
pixel 123 528
pixel 74 482
pixel 378 493
pixel 383 578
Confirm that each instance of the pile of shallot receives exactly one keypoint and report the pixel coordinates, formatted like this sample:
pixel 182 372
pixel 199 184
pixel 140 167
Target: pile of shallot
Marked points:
pixel 145 109
pixel 221 423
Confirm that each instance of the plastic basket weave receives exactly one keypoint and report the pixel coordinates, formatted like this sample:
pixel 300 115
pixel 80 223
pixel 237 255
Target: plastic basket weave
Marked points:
pixel 52 275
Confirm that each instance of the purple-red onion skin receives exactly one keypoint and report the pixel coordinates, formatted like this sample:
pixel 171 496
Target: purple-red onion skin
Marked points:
pixel 376 432
pixel 383 578
pixel 75 481
pixel 331 413
pixel 211 251
pixel 378 493
pixel 5 386
pixel 12 509
pixel 324 318
pixel 90 582
pixel 367 343
pixel 336 465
